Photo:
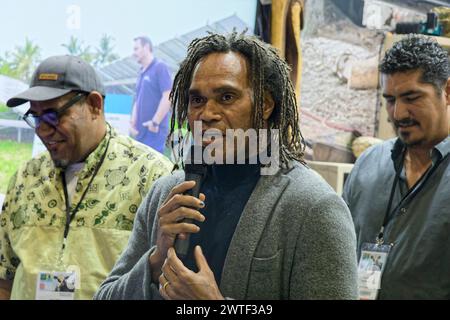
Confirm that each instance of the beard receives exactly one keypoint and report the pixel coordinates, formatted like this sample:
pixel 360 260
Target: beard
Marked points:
pixel 406 136
pixel 61 163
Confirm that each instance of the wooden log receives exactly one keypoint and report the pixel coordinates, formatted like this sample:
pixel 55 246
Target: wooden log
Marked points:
pixel 364 74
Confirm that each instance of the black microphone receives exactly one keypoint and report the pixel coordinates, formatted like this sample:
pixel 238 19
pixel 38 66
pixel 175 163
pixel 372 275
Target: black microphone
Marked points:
pixel 195 170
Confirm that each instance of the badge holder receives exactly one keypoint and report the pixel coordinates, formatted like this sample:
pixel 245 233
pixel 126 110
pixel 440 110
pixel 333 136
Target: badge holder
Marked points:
pixel 57 282
pixel 370 269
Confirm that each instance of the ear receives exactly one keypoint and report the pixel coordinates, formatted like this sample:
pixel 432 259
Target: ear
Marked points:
pixel 95 102
pixel 447 99
pixel 268 106
pixel 447 91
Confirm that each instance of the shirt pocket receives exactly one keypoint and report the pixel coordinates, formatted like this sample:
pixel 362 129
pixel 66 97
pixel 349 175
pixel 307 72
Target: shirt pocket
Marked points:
pixel 265 277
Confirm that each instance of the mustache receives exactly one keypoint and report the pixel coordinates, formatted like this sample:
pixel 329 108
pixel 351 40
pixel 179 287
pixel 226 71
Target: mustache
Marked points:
pixel 405 123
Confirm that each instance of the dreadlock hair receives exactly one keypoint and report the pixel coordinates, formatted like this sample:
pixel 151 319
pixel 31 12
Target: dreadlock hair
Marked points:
pixel 268 72
pixel 417 52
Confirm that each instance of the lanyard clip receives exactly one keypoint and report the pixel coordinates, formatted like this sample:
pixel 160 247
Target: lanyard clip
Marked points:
pixel 380 238
pixel 64 243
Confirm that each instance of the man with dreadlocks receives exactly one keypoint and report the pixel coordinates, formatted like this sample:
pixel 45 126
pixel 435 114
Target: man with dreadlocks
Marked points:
pixel 280 236
pixel 398 191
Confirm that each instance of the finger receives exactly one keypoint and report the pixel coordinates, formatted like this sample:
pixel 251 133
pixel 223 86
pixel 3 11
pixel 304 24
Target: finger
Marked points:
pixel 200 259
pixel 182 236
pixel 163 283
pixel 180 200
pixel 163 292
pixel 162 279
pixel 175 262
pixel 181 213
pixel 181 227
pixel 169 272
pixel 181 188
pixel 202 197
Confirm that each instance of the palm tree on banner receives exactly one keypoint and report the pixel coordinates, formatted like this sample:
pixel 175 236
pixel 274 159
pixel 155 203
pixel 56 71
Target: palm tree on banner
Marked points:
pixel 6 66
pixel 105 54
pixel 25 59
pixel 75 47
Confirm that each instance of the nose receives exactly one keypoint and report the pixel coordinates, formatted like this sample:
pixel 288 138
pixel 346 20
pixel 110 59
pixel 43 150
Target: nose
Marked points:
pixel 44 129
pixel 400 111
pixel 210 112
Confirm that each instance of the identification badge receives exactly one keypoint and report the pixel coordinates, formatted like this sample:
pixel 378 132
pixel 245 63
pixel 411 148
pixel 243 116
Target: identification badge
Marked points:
pixel 56 285
pixel 370 269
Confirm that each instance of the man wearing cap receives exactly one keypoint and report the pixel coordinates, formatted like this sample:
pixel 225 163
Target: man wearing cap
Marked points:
pixel 70 210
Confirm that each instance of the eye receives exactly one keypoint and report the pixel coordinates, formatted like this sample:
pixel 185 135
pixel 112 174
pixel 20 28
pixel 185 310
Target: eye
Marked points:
pixel 390 101
pixel 411 99
pixel 196 100
pixel 227 97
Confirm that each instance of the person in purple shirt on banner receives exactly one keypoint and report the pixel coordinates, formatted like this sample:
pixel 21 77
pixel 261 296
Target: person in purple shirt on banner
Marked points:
pixel 151 109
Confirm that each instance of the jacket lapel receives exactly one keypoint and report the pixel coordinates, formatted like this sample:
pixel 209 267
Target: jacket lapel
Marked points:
pixel 235 275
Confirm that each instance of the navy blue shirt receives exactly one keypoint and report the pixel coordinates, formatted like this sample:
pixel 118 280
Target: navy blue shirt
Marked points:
pixel 227 189
pixel 151 84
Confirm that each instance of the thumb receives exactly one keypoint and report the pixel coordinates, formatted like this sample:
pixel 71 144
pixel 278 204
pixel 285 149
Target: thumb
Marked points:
pixel 200 259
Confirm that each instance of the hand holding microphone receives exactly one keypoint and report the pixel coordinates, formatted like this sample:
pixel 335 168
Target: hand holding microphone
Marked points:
pixel 175 218
pixel 195 170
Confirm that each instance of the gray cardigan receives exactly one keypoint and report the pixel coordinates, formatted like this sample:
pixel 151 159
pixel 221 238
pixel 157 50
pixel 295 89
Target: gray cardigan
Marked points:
pixel 295 240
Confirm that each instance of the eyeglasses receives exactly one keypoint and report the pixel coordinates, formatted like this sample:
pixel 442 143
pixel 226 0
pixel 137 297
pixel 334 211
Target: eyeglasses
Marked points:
pixel 51 117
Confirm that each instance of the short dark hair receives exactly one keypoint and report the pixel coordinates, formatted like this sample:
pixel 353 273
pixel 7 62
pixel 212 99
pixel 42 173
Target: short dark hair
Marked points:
pixel 418 52
pixel 268 72
pixel 145 41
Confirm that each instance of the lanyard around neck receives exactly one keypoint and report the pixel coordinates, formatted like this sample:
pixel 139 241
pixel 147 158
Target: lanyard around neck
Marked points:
pixel 412 192
pixel 70 216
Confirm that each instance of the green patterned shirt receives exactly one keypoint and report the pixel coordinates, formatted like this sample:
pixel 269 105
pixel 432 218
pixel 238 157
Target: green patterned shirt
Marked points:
pixel 34 215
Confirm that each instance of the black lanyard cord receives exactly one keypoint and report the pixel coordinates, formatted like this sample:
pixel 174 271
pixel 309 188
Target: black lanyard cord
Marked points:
pixel 71 216
pixel 412 192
